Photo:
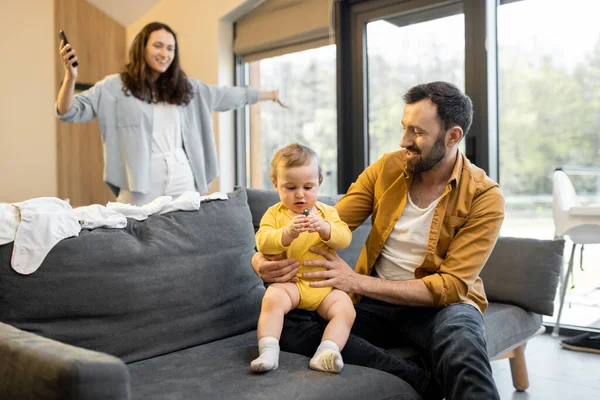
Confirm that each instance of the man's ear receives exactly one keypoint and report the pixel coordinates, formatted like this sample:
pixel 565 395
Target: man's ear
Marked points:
pixel 454 135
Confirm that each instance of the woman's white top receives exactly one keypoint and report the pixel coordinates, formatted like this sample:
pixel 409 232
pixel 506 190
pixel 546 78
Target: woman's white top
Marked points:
pixel 405 248
pixel 171 172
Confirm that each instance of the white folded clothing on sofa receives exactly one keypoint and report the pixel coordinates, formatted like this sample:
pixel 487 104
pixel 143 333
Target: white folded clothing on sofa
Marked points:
pixel 214 196
pixel 44 222
pixel 188 201
pixel 98 216
pixel 140 213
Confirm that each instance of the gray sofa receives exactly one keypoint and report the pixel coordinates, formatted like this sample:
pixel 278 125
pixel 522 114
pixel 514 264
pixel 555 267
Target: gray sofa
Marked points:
pixel 167 308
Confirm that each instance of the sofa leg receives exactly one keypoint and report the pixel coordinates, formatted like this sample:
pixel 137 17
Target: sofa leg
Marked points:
pixel 518 369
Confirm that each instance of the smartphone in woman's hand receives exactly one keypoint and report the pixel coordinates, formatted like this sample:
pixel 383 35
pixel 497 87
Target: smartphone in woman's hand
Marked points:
pixel 62 35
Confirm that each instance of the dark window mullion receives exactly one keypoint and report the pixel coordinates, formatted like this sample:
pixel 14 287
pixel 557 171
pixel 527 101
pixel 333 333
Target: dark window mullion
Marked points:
pixel 241 127
pixel 481 83
pixel 350 116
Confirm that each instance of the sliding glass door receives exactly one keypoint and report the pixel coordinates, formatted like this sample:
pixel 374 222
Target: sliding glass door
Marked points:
pixel 549 100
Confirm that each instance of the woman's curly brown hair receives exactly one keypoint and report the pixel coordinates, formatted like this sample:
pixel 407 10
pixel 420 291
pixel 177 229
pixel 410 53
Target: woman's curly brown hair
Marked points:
pixel 172 86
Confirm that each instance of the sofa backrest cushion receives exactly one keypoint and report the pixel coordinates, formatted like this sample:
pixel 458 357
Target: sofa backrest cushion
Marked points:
pixel 524 272
pixel 260 200
pixel 170 282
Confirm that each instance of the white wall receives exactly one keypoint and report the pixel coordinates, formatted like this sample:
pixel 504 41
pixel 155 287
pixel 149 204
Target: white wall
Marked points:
pixel 27 123
pixel 205 34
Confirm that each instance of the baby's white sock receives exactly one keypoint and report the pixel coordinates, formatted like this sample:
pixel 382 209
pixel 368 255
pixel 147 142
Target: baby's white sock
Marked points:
pixel 268 359
pixel 327 358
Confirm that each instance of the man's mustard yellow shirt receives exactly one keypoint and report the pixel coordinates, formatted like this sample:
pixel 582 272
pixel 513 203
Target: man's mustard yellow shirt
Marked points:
pixel 464 230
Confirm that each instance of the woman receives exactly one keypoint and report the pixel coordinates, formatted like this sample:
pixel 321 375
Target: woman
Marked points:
pixel 156 123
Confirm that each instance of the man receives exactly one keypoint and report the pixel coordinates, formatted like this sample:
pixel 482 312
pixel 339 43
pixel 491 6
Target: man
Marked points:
pixel 436 218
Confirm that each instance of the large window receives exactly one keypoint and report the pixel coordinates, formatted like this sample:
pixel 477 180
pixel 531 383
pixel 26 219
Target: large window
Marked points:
pixel 549 101
pixel 401 55
pixel 549 92
pixel 307 84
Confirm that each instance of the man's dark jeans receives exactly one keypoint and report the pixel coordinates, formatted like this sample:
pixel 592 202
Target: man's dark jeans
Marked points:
pixel 450 342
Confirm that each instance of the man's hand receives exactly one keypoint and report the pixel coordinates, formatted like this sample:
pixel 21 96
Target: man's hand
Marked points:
pixel 276 269
pixel 338 274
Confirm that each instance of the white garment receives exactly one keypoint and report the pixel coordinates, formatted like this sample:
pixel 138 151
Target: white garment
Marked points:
pixel 9 220
pixel 97 216
pixel 171 174
pixel 189 201
pixel 166 122
pixel 44 222
pixel 405 248
pixel 214 196
pixel 157 204
pixel 140 213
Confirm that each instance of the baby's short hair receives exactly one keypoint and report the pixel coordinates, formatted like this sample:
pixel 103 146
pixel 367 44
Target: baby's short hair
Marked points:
pixel 294 155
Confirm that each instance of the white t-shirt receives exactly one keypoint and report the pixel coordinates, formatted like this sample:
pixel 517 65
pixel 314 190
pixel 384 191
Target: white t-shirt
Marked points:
pixel 405 248
pixel 171 171
pixel 166 125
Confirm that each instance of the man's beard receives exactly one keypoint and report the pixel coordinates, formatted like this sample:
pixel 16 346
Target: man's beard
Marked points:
pixel 436 154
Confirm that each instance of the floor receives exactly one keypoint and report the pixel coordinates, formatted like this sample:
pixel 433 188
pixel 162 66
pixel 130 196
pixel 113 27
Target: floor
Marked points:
pixel 554 373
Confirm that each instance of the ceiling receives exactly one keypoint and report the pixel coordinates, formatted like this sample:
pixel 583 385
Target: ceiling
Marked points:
pixel 125 12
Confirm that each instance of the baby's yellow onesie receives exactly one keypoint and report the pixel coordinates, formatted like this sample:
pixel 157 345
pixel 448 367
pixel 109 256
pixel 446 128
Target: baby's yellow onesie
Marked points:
pixel 268 241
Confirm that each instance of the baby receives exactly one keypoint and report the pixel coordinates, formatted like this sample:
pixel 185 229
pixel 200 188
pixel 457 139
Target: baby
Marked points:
pixel 292 226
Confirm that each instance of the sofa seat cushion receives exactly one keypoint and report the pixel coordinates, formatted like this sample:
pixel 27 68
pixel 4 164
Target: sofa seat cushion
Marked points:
pixel 508 326
pixel 220 370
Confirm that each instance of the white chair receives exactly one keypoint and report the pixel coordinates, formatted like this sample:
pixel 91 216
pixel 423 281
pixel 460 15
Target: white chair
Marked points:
pixel 580 223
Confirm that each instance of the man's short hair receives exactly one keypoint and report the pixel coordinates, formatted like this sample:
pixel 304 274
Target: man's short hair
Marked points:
pixel 453 106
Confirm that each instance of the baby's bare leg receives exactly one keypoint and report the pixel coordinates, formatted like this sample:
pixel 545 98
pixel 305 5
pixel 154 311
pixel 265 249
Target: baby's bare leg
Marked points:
pixel 337 308
pixel 279 299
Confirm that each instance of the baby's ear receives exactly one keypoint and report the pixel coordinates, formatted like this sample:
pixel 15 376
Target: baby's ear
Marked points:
pixel 274 182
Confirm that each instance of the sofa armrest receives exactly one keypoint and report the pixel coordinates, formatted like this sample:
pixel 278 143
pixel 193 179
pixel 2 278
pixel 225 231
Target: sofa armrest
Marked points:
pixel 524 272
pixel 34 367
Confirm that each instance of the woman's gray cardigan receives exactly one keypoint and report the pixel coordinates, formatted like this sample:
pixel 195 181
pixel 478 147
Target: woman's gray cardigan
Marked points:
pixel 126 128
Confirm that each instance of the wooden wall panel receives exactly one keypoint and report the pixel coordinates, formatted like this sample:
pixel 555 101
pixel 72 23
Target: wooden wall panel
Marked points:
pixel 100 44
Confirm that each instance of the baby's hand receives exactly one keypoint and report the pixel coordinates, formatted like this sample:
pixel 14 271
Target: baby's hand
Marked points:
pixel 297 225
pixel 319 225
